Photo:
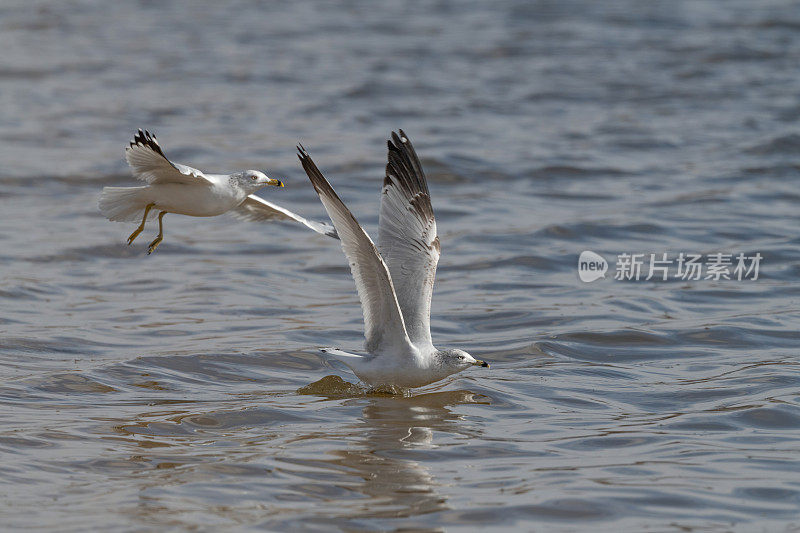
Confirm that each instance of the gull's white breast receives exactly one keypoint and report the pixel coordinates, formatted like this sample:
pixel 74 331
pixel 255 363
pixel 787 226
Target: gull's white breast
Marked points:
pixel 196 201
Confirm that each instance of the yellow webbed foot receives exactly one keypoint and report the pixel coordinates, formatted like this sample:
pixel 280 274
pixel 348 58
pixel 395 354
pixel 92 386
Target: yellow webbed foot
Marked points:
pixel 138 230
pixel 157 241
pixel 154 245
pixel 135 234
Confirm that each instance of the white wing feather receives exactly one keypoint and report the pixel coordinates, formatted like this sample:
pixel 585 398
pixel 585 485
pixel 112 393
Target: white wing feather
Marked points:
pixel 383 322
pixel 256 209
pixel 149 163
pixel 407 237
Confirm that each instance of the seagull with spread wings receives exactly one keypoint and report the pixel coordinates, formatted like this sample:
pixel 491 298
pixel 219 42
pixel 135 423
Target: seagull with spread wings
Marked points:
pixel 395 279
pixel 176 188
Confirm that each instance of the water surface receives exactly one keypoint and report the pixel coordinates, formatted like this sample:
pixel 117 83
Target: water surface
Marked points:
pixel 161 392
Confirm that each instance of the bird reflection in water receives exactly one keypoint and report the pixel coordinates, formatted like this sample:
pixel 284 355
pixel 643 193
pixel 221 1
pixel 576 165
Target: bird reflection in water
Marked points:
pixel 393 431
pixel 261 465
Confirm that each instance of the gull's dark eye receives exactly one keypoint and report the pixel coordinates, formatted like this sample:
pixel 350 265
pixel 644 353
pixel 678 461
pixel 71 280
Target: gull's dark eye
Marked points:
pixel 253 178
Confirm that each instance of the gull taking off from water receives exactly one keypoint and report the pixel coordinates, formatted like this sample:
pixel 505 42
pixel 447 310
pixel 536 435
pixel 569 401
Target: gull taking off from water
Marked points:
pixel 395 279
pixel 176 188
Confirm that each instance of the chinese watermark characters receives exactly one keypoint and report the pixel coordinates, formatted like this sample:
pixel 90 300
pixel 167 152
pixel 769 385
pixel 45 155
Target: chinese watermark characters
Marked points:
pixel 664 266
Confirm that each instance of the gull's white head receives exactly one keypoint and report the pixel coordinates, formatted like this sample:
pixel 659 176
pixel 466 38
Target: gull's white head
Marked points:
pixel 252 180
pixel 455 360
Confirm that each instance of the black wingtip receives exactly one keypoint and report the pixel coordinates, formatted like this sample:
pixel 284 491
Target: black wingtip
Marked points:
pixel 148 140
pixel 400 137
pixel 404 166
pixel 302 153
pixel 396 139
pixel 313 173
pixel 138 138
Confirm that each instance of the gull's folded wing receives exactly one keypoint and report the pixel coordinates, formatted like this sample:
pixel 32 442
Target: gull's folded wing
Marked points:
pixel 255 208
pixel 407 237
pixel 149 163
pixel 383 323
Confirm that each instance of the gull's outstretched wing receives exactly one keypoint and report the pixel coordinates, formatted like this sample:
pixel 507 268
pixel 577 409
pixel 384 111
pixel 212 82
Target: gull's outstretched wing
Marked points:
pixel 149 163
pixel 407 237
pixel 384 329
pixel 257 209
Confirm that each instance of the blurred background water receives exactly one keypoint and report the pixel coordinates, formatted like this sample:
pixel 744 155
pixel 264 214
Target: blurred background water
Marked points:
pixel 161 392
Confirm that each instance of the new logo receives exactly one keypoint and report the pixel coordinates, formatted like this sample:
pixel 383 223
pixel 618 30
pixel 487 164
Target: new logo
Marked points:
pixel 591 266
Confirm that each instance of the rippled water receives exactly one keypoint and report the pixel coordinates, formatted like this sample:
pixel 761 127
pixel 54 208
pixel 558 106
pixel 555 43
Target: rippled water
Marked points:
pixel 179 390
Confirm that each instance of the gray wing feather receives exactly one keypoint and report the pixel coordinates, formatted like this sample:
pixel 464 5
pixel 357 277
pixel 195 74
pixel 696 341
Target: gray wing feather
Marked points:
pixel 149 163
pixel 384 328
pixel 256 209
pixel 407 237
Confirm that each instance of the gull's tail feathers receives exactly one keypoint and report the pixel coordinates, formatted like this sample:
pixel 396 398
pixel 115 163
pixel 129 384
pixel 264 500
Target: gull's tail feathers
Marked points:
pixel 123 204
pixel 342 356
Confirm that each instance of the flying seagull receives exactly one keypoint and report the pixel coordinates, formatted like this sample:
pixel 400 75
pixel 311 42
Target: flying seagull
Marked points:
pixel 176 188
pixel 395 279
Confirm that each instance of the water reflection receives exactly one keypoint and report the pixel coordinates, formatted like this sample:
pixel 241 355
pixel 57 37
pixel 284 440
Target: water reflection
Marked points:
pixel 391 430
pixel 236 461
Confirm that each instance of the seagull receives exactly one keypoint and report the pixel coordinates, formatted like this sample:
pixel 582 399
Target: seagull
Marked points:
pixel 176 188
pixel 395 279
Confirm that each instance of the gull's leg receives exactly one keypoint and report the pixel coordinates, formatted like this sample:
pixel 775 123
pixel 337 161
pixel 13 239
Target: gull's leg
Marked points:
pixel 157 241
pixel 141 226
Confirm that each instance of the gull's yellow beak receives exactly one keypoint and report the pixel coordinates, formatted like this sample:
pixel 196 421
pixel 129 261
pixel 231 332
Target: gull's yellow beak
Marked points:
pixel 481 363
pixel 277 183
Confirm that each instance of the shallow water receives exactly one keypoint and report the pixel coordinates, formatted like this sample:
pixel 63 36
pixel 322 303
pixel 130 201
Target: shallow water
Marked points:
pixel 180 390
